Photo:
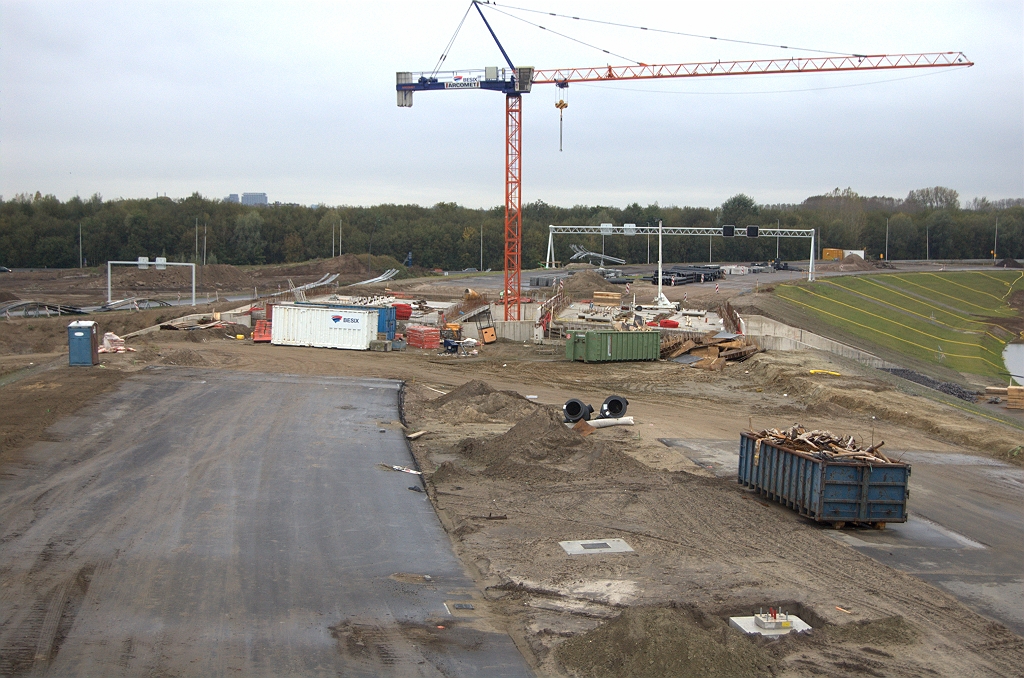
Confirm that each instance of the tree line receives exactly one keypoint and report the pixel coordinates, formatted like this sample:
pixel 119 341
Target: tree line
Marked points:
pixel 42 231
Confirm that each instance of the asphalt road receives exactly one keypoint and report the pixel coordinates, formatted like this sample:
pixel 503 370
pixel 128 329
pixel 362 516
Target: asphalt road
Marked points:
pixel 216 523
pixel 965 527
pixel 965 533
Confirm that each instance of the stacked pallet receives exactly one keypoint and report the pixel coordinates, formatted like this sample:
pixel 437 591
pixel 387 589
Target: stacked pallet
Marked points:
pixel 607 299
pixel 1015 397
pixel 423 336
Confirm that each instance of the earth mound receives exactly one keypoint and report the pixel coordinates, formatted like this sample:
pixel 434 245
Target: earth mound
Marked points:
pixel 541 436
pixel 851 263
pixel 476 401
pixel 185 358
pixel 1008 263
pixel 675 640
pixel 347 265
pixel 585 283
pixel 221 277
pixel 448 472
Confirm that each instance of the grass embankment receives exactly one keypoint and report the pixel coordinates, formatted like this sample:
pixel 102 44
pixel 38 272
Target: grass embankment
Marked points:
pixel 960 320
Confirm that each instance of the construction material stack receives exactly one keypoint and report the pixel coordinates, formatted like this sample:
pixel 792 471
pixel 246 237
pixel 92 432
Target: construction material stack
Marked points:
pixel 423 336
pixel 1015 397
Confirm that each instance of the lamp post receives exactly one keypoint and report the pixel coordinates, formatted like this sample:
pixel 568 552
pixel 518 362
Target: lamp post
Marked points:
pixel 887 238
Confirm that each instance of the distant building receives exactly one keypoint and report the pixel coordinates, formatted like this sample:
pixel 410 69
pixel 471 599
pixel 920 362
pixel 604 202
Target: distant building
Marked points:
pixel 231 198
pixel 254 199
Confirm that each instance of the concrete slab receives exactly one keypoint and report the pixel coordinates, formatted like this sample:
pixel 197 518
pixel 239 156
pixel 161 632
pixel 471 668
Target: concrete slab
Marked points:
pixel 749 625
pixel 592 546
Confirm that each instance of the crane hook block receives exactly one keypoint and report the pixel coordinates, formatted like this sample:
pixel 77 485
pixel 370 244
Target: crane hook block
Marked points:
pixel 561 105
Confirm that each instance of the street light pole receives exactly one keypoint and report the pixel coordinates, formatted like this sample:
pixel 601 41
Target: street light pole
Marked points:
pixel 887 238
pixel 995 245
pixel 481 246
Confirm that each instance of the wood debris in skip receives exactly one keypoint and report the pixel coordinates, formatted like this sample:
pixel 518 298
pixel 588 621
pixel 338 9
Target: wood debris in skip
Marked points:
pixel 823 444
pixel 714 351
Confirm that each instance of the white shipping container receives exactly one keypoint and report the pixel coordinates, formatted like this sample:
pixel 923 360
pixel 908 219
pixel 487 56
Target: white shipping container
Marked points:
pixel 323 327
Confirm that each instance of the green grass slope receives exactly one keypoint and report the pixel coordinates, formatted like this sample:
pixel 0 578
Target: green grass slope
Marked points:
pixel 960 320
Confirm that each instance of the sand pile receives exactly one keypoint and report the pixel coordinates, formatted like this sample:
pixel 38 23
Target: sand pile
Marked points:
pixel 476 402
pixel 531 450
pixel 585 283
pixel 8 296
pixel 850 263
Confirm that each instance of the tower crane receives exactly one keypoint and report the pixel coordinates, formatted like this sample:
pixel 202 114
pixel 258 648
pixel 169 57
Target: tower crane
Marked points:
pixel 515 81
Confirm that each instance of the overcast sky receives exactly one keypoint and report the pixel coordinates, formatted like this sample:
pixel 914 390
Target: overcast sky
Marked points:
pixel 297 99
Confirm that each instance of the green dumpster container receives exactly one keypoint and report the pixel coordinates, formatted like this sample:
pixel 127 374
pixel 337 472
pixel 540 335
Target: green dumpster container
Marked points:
pixel 611 346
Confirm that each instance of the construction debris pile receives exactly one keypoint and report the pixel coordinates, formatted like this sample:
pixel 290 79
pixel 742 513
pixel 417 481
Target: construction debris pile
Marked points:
pixel 823 445
pixel 708 352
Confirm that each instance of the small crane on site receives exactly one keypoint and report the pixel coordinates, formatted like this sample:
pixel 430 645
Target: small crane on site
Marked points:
pixel 518 80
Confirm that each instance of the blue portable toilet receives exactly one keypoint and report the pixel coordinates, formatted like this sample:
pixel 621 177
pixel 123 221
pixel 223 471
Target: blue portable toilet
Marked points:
pixel 83 343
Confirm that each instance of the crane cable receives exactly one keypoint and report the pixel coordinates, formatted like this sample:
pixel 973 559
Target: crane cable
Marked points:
pixel 494 5
pixel 491 5
pixel 448 47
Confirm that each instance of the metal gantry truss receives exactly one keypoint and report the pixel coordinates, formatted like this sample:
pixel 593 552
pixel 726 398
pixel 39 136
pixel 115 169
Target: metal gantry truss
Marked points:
pixel 633 229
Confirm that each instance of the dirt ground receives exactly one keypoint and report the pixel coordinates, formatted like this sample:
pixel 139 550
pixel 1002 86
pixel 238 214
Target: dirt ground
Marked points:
pixel 509 481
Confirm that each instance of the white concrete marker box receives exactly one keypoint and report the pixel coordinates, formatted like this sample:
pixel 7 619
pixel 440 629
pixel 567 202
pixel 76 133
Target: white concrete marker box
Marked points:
pixel 323 327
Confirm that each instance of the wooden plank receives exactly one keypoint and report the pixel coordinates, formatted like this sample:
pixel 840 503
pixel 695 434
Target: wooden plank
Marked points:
pixel 679 350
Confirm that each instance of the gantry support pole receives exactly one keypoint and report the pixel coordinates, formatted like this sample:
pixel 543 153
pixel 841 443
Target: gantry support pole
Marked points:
pixel 513 205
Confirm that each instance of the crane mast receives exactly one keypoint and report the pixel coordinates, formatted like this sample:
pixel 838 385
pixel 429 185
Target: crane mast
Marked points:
pixel 516 81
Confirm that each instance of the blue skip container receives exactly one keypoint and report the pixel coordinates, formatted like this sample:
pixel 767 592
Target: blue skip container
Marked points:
pixel 826 491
